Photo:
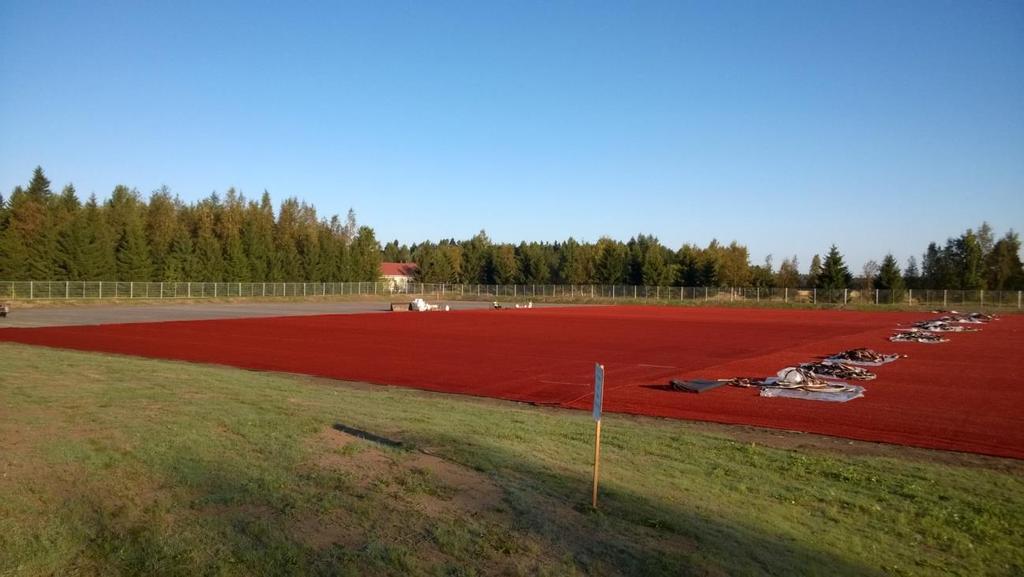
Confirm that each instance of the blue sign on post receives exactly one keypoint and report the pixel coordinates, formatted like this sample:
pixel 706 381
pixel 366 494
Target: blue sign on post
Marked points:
pixel 598 389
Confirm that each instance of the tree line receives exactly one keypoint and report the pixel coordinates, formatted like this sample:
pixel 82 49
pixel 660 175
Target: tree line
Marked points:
pixel 48 236
pixel 974 260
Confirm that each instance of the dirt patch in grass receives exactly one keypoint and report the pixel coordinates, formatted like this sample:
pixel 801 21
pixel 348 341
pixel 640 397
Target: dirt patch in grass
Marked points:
pixel 434 484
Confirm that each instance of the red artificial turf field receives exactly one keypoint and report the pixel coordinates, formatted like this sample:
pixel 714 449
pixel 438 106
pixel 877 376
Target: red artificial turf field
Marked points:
pixel 965 395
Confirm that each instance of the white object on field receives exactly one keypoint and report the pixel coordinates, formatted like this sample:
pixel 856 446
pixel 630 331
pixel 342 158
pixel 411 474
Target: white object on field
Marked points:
pixel 422 305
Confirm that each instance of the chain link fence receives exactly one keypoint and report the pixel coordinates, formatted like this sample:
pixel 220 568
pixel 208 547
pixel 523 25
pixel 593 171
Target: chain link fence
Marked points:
pixel 94 290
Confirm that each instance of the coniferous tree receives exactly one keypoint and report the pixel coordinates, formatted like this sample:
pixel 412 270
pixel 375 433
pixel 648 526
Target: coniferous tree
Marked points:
pixel 229 230
pixel 890 278
pixel 126 226
pixel 288 261
pixel 612 265
pixel 474 258
pixel 179 266
pixel 814 271
pixel 654 270
pixel 911 274
pixel 133 262
pixel 365 255
pixel 834 274
pixel 967 259
pixel 1003 266
pixel 889 274
pixel 533 264
pixel 161 225
pixel 99 245
pixel 13 255
pixel 258 237
pixel 503 264
pixel 572 266
pixel 392 252
pixel 32 224
pixel 72 239
pixel 209 257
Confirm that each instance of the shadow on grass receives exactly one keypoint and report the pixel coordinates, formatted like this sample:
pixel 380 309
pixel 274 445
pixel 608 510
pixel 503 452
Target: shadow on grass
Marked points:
pixel 367 436
pixel 243 518
pixel 632 534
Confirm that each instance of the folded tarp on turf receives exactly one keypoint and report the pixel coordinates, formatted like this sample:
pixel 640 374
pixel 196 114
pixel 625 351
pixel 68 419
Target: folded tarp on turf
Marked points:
pixel 854 392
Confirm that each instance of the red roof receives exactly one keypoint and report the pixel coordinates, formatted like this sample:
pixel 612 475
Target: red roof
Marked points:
pixel 397 268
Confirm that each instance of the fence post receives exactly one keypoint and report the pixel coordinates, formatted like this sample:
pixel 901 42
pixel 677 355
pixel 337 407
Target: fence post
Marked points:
pixel 31 290
pixel 981 298
pixel 944 298
pixel 814 296
pixel 67 290
pixel 1018 299
pixel 845 295
pixel 785 294
pixel 757 297
pixel 910 296
pixel 876 296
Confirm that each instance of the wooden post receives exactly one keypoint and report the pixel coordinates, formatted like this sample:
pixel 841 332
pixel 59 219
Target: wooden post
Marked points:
pixel 597 461
pixel 598 401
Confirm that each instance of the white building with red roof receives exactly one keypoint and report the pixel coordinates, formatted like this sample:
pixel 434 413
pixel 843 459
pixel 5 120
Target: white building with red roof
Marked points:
pixel 399 274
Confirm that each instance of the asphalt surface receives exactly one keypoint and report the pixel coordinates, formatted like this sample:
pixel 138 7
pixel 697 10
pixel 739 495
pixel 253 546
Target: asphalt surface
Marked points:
pixel 115 314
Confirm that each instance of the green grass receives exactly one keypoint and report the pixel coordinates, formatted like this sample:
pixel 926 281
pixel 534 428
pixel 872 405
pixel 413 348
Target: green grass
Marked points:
pixel 119 466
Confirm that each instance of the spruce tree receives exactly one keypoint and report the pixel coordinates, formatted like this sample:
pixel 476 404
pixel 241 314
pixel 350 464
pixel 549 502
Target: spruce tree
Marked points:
pixel 890 278
pixel 654 271
pixel 834 274
pixel 68 238
pixel 39 187
pixel 179 266
pixel 533 264
pixel 132 258
pixel 968 261
pixel 287 261
pixel 814 271
pixel 503 264
pixel 365 255
pixel 612 261
pixel 13 255
pixel 98 254
pixel 73 250
pixel 161 226
pixel 1003 266
pixel 572 266
pixel 258 238
pixel 911 274
pixel 474 258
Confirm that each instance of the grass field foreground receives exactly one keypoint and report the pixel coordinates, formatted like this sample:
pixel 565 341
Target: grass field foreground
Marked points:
pixel 121 466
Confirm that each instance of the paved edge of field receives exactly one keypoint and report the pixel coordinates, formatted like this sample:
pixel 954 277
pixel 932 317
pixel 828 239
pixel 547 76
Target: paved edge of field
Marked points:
pixel 114 314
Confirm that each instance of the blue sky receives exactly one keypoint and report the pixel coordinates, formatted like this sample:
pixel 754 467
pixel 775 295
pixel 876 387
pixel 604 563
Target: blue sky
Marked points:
pixel 787 126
